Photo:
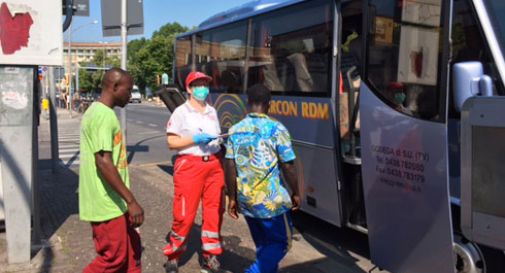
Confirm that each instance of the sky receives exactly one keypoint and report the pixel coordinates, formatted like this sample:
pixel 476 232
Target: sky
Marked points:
pixel 156 13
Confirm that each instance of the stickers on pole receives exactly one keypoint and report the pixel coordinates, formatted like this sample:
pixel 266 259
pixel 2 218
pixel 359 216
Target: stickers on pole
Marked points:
pixel 16 89
pixel 31 32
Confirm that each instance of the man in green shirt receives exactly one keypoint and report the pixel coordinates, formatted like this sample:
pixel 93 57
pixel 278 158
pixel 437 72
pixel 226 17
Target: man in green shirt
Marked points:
pixel 104 196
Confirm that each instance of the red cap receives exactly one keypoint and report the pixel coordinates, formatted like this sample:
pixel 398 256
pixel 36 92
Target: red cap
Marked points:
pixel 195 76
pixel 395 86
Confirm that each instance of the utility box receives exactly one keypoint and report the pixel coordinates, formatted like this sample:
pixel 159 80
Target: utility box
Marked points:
pixel 16 146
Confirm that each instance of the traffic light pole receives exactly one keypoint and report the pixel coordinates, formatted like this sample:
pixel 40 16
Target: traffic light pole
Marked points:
pixel 124 31
pixel 69 83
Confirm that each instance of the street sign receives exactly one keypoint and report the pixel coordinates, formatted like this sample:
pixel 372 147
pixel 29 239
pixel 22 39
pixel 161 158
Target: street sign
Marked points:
pixel 111 17
pixel 164 79
pixel 81 7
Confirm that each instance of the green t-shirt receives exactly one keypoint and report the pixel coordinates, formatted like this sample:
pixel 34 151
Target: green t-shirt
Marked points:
pixel 100 131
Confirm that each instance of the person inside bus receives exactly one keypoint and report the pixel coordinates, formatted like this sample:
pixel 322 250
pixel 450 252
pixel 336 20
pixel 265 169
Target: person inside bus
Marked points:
pixel 398 97
pixel 230 82
pixel 212 69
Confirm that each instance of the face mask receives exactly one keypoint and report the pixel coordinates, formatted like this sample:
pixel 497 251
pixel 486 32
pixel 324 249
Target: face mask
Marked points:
pixel 400 98
pixel 200 92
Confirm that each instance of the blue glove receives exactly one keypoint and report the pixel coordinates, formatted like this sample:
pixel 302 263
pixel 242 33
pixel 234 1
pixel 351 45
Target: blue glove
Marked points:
pixel 203 138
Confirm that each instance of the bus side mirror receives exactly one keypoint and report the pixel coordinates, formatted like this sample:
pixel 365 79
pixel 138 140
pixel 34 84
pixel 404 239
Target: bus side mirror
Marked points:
pixel 469 80
pixel 171 96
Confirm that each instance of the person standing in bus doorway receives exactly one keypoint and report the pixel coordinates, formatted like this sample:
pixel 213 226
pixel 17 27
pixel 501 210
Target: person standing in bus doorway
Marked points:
pixel 104 196
pixel 257 148
pixel 198 175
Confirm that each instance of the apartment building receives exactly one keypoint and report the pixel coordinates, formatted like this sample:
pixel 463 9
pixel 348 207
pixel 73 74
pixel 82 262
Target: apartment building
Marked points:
pixel 84 52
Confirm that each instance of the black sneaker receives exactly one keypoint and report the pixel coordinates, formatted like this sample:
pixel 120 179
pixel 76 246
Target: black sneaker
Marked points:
pixel 210 264
pixel 171 266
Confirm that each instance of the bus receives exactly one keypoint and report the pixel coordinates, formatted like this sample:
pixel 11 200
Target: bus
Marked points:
pixel 369 92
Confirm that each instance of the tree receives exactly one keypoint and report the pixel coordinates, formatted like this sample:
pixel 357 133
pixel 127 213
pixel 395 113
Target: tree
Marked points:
pixel 170 29
pixel 92 80
pixel 148 58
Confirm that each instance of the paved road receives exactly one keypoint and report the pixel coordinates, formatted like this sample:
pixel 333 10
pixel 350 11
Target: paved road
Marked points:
pixel 146 135
pixel 318 247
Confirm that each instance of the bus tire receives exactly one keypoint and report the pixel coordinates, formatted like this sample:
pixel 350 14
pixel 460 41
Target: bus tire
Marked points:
pixel 494 259
pixel 474 258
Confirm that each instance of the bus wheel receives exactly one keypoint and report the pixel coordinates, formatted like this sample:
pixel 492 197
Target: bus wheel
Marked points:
pixel 468 257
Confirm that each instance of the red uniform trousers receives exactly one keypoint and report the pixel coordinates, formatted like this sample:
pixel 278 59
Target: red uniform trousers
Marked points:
pixel 117 245
pixel 195 178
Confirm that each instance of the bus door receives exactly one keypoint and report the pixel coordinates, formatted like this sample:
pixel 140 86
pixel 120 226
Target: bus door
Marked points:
pixel 404 136
pixel 351 40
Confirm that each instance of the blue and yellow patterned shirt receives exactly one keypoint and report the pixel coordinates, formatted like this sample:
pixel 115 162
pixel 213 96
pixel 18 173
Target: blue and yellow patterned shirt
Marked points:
pixel 257 144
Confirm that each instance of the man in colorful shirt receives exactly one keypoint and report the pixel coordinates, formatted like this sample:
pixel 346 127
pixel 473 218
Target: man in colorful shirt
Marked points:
pixel 105 200
pixel 258 147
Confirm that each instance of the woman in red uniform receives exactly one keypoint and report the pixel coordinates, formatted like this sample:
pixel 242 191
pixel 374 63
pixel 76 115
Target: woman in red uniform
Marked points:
pixel 198 174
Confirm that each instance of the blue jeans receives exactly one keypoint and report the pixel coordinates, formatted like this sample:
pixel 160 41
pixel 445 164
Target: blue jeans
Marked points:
pixel 272 238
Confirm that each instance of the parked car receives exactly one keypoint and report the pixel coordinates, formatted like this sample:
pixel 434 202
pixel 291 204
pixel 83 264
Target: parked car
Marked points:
pixel 136 96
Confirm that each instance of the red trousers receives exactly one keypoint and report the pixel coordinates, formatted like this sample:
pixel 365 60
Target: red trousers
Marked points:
pixel 197 178
pixel 118 247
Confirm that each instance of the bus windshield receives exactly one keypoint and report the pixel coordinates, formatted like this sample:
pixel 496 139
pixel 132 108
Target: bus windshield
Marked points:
pixel 496 10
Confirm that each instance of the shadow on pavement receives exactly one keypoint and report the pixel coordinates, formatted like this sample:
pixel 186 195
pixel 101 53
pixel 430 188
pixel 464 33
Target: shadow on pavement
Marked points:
pixel 132 149
pixel 167 168
pixel 331 241
pixel 235 257
pixel 58 200
pixel 48 255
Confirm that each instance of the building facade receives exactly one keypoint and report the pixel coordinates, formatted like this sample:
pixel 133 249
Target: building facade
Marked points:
pixel 84 52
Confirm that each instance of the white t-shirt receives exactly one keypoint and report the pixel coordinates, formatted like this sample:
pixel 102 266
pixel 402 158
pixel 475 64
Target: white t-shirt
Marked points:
pixel 186 121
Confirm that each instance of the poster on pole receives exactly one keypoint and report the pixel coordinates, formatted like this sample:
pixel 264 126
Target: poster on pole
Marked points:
pixel 31 32
pixel 423 12
pixel 418 61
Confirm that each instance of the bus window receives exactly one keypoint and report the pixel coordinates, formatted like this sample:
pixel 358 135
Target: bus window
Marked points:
pixel 404 56
pixel 183 60
pixel 468 44
pixel 292 55
pixel 221 55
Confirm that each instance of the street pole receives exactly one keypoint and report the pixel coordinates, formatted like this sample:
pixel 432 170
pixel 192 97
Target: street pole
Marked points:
pixel 53 120
pixel 70 59
pixel 69 84
pixel 77 80
pixel 124 31
pixel 104 53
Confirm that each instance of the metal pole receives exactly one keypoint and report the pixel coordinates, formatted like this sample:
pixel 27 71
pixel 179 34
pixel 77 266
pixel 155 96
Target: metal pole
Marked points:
pixel 124 31
pixel 77 80
pixel 104 54
pixel 53 121
pixel 69 84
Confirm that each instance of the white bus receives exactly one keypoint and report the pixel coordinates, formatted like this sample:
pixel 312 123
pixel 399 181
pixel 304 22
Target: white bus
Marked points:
pixel 366 90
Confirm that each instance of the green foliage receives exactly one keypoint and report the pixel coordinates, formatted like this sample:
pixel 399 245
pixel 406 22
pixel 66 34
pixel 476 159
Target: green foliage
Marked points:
pixel 150 57
pixel 170 29
pixel 92 80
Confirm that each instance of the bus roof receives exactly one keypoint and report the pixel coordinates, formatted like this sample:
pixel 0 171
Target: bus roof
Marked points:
pixel 241 12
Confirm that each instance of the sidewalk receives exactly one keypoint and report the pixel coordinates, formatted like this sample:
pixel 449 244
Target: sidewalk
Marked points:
pixel 68 245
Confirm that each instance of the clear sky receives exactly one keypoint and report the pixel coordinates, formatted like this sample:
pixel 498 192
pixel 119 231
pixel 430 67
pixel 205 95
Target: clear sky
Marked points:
pixel 156 13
